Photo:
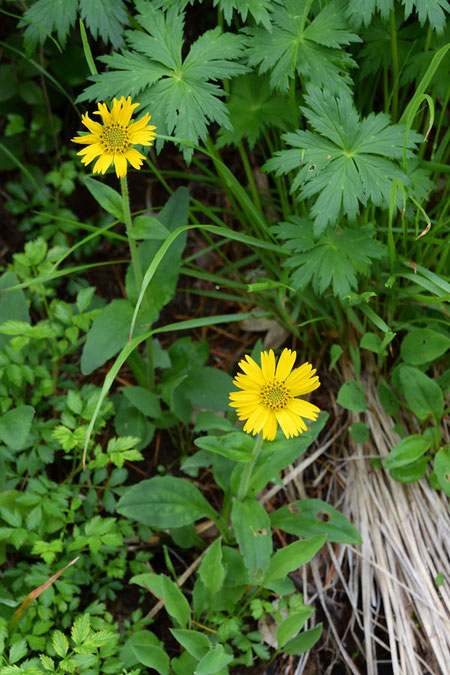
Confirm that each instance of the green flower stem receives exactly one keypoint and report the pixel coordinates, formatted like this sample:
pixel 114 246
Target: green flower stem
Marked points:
pixel 249 173
pixel 248 468
pixel 137 273
pixel 395 71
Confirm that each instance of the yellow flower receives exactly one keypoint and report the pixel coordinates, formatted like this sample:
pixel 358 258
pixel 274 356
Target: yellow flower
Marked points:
pixel 268 395
pixel 113 140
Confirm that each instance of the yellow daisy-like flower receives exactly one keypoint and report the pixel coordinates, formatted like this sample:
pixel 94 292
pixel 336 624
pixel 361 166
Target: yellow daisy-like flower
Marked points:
pixel 268 395
pixel 113 140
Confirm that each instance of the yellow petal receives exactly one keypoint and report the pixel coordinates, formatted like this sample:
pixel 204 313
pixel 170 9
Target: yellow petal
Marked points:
pixel 305 386
pixel 103 162
pixel 140 124
pixel 270 427
pixel 94 127
pixel 88 138
pixel 303 408
pixel 91 151
pixel 247 382
pixel 135 158
pixel 245 397
pixel 126 110
pixel 285 364
pixel 299 374
pixel 250 368
pixel 120 164
pixel 142 138
pixel 268 364
pixel 104 113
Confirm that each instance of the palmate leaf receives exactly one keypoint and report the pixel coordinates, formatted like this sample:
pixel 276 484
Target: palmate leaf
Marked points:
pixel 376 54
pixel 180 94
pixel 45 17
pixel 258 9
pixel 346 162
pixel 334 259
pixel 104 19
pixel 428 10
pixel 313 50
pixel 252 109
pixel 362 11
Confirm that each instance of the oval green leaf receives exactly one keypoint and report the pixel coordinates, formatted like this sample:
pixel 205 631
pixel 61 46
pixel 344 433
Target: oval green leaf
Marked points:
pixel 165 501
pixel 407 451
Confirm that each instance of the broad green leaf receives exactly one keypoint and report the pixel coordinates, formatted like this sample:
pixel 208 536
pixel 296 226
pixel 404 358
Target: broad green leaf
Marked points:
pixel 333 259
pixel 253 108
pixel 149 581
pixel 208 388
pixel 251 526
pixel 214 661
pixel 346 160
pixel 236 445
pixel 308 517
pixel 140 640
pixel 107 335
pixel 147 227
pixel 423 345
pixel 442 469
pixel 144 400
pixel 165 501
pixel 407 451
pixel 208 421
pixel 13 304
pixel 211 570
pixel 278 454
pixel 388 399
pixel 292 557
pixel 176 604
pixel 313 49
pixel 161 288
pixel 195 642
pixel 351 396
pixel 303 642
pixel 180 93
pixel 108 198
pixel 15 425
pixel 290 626
pixel 335 354
pixel 359 432
pixel 153 657
pixel 410 472
pixel 371 341
pixel 422 394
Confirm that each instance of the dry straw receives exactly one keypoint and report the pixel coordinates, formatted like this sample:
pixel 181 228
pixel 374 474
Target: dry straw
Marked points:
pixel 380 599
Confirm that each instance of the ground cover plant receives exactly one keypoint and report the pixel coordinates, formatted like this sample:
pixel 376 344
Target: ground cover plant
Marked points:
pixel 224 251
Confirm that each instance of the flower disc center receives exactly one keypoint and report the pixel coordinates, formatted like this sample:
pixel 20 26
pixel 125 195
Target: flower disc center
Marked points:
pixel 115 138
pixel 274 395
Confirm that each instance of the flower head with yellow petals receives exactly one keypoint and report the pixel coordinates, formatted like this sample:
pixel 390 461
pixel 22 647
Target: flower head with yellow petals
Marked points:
pixel 113 140
pixel 268 395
